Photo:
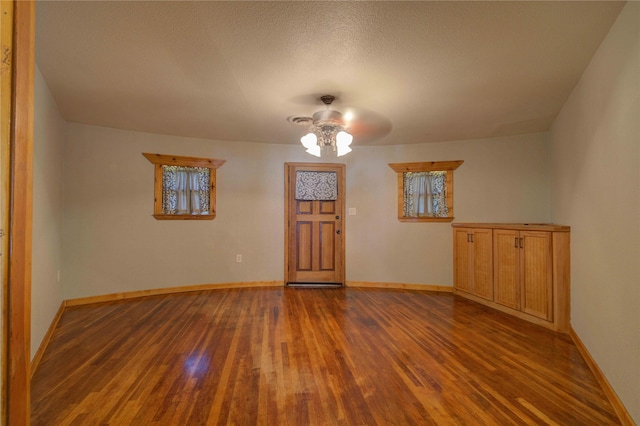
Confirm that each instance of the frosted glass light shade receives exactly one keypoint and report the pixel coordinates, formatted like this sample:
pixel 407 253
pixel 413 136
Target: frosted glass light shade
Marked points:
pixel 314 150
pixel 339 141
pixel 343 138
pixel 309 140
pixel 343 149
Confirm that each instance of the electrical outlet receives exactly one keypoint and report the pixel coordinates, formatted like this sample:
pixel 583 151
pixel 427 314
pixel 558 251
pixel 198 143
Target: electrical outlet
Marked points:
pixel 352 211
pixel 238 258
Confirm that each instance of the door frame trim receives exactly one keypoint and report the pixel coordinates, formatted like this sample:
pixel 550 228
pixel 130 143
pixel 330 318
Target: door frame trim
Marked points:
pixel 17 277
pixel 287 213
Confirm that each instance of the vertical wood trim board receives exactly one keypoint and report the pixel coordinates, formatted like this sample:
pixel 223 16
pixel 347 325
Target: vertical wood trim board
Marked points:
pixel 21 195
pixel 6 101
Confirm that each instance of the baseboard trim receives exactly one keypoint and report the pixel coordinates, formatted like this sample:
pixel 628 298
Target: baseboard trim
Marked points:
pixel 421 287
pixel 47 338
pixel 184 289
pixel 169 290
pixel 618 406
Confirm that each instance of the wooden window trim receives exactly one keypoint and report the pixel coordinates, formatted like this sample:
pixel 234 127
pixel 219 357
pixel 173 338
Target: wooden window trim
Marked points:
pixel 159 160
pixel 430 166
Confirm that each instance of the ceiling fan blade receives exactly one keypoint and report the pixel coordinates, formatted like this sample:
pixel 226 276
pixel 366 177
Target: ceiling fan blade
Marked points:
pixel 365 125
pixel 368 126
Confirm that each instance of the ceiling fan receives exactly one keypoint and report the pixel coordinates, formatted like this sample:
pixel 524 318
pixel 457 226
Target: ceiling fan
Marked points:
pixel 327 128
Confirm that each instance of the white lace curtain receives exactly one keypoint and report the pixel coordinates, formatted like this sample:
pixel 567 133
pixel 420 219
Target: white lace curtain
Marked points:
pixel 184 192
pixel 424 194
pixel 188 192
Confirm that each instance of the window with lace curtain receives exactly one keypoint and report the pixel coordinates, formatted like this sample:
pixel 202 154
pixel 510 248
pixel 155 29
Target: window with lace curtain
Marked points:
pixel 425 191
pixel 185 187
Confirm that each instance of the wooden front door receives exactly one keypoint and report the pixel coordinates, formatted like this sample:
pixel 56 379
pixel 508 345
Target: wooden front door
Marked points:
pixel 314 224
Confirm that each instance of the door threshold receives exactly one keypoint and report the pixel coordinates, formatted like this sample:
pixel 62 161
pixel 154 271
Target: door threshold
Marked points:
pixel 315 285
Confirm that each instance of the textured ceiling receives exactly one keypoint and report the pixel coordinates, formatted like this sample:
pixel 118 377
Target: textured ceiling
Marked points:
pixel 409 72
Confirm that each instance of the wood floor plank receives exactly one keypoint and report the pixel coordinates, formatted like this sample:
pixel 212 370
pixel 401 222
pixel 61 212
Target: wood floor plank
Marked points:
pixel 279 356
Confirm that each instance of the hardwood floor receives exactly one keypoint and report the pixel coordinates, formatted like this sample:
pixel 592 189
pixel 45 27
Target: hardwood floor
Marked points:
pixel 310 356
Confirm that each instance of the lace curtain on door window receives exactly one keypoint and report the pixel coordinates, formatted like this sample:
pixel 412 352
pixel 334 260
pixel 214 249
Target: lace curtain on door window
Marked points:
pixel 425 194
pixel 185 190
pixel 316 185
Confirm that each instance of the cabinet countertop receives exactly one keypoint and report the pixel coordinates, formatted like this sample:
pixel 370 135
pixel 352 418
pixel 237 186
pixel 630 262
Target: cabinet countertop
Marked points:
pixel 516 226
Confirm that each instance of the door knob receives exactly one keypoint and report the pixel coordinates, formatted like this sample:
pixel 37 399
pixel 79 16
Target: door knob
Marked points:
pixel 338 232
pixel 337 217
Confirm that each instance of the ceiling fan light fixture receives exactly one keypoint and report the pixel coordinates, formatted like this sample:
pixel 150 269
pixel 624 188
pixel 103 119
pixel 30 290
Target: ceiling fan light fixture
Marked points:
pixel 327 129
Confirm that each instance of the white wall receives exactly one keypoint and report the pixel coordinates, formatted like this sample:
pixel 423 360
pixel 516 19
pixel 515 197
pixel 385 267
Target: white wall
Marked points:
pixel 596 189
pixel 113 244
pixel 501 180
pixel 49 134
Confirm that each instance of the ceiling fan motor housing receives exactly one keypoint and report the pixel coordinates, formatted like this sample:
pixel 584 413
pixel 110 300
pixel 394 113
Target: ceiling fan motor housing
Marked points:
pixel 326 125
pixel 327 99
pixel 328 117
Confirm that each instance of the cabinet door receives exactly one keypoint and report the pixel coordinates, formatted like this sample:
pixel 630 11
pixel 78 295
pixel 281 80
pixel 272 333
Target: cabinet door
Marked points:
pixel 506 284
pixel 482 263
pixel 462 261
pixel 536 274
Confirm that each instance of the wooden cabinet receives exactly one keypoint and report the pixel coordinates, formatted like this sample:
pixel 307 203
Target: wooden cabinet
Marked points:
pixel 523 266
pixel 507 268
pixel 474 261
pixel 528 271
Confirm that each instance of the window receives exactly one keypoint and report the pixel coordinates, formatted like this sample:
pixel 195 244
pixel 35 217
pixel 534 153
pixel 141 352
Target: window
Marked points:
pixel 425 191
pixel 184 187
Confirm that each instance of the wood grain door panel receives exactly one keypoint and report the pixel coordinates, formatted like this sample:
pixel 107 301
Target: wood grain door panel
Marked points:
pixel 462 260
pixel 482 247
pixel 537 280
pixel 304 237
pixel 506 285
pixel 327 254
